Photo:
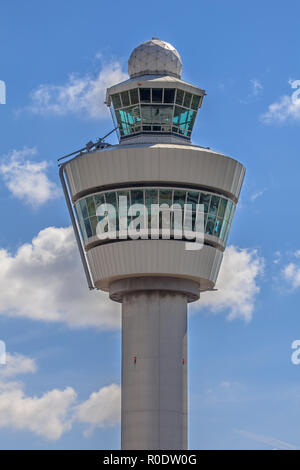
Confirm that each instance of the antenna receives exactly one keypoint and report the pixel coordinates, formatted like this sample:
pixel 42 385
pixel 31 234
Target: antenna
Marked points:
pixel 99 144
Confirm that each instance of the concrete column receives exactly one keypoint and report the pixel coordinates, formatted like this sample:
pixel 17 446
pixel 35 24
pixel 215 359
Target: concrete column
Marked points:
pixel 154 361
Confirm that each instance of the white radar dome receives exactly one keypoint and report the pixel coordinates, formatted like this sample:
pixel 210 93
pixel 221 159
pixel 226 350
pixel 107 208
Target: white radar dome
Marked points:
pixel 155 57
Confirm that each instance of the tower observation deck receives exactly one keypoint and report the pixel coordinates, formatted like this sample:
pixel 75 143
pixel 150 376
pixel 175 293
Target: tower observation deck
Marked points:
pixel 137 205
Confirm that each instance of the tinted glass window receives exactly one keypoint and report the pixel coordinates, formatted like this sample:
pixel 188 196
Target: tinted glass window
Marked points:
pixel 169 94
pixel 134 96
pixel 125 98
pixel 157 95
pixel 145 95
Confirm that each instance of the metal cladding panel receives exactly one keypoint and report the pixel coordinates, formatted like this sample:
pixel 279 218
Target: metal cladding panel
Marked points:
pixel 168 163
pixel 135 258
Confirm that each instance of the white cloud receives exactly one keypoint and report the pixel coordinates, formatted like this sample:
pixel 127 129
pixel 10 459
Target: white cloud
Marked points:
pixel 291 273
pixel 256 195
pixel 256 87
pixel 102 409
pixel 82 95
pixel 17 364
pixel 46 416
pixel 55 411
pixel 236 284
pixel 286 108
pixel 26 179
pixel 45 281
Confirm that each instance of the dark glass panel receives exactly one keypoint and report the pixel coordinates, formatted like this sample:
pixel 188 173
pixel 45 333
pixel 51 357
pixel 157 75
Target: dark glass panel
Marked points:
pixel 125 98
pixel 83 207
pixel 192 198
pixel 165 196
pixel 88 228
pixel 145 95
pixel 187 100
pixel 210 225
pixel 116 101
pixel 179 197
pixel 137 196
pixel 205 199
pixel 195 102
pixel 179 97
pixel 214 203
pixel 157 95
pixel 91 206
pixel 134 96
pixel 222 208
pixel 169 95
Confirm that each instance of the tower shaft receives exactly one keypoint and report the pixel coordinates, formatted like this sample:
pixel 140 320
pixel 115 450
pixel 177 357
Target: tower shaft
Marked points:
pixel 154 361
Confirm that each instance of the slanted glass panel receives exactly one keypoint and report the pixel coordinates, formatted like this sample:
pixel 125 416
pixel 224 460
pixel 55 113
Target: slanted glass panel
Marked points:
pixel 91 206
pixel 192 198
pixel 127 118
pixel 82 229
pixel 94 222
pixel 223 230
pixel 134 96
pixel 205 200
pixel 195 102
pixel 184 119
pixel 137 196
pixel 210 225
pixel 111 199
pixel 116 101
pixel 169 95
pixel 125 98
pixel 144 95
pixel 228 210
pixel 99 199
pixel 165 196
pixel 83 208
pixel 146 114
pixel 78 211
pixel 214 203
pixel 217 228
pixel 157 95
pixel 179 97
pixel 162 114
pixel 232 212
pixel 187 100
pixel 227 232
pixel 88 228
pixel 151 197
pixel 179 197
pixel 222 207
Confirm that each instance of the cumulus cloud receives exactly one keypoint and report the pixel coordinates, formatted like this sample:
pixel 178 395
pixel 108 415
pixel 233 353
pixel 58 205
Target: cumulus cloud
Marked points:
pixel 237 284
pixel 27 179
pixel 291 273
pixel 102 409
pixel 257 87
pixel 81 95
pixel 46 415
pixel 53 413
pixel 286 108
pixel 44 280
pixel 256 195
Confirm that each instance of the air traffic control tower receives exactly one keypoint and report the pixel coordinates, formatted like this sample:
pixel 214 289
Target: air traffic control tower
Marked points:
pixel 153 278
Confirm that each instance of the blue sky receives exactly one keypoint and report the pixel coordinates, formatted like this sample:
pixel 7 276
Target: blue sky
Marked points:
pixel 60 388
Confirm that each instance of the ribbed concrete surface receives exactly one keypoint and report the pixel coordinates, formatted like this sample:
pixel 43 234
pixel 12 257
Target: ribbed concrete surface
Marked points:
pixel 136 258
pixel 168 163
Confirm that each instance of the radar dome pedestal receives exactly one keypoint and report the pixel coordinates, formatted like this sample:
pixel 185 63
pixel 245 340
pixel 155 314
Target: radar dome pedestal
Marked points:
pixel 153 278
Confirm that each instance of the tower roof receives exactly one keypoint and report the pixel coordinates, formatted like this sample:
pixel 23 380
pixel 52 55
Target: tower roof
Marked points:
pixel 155 57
